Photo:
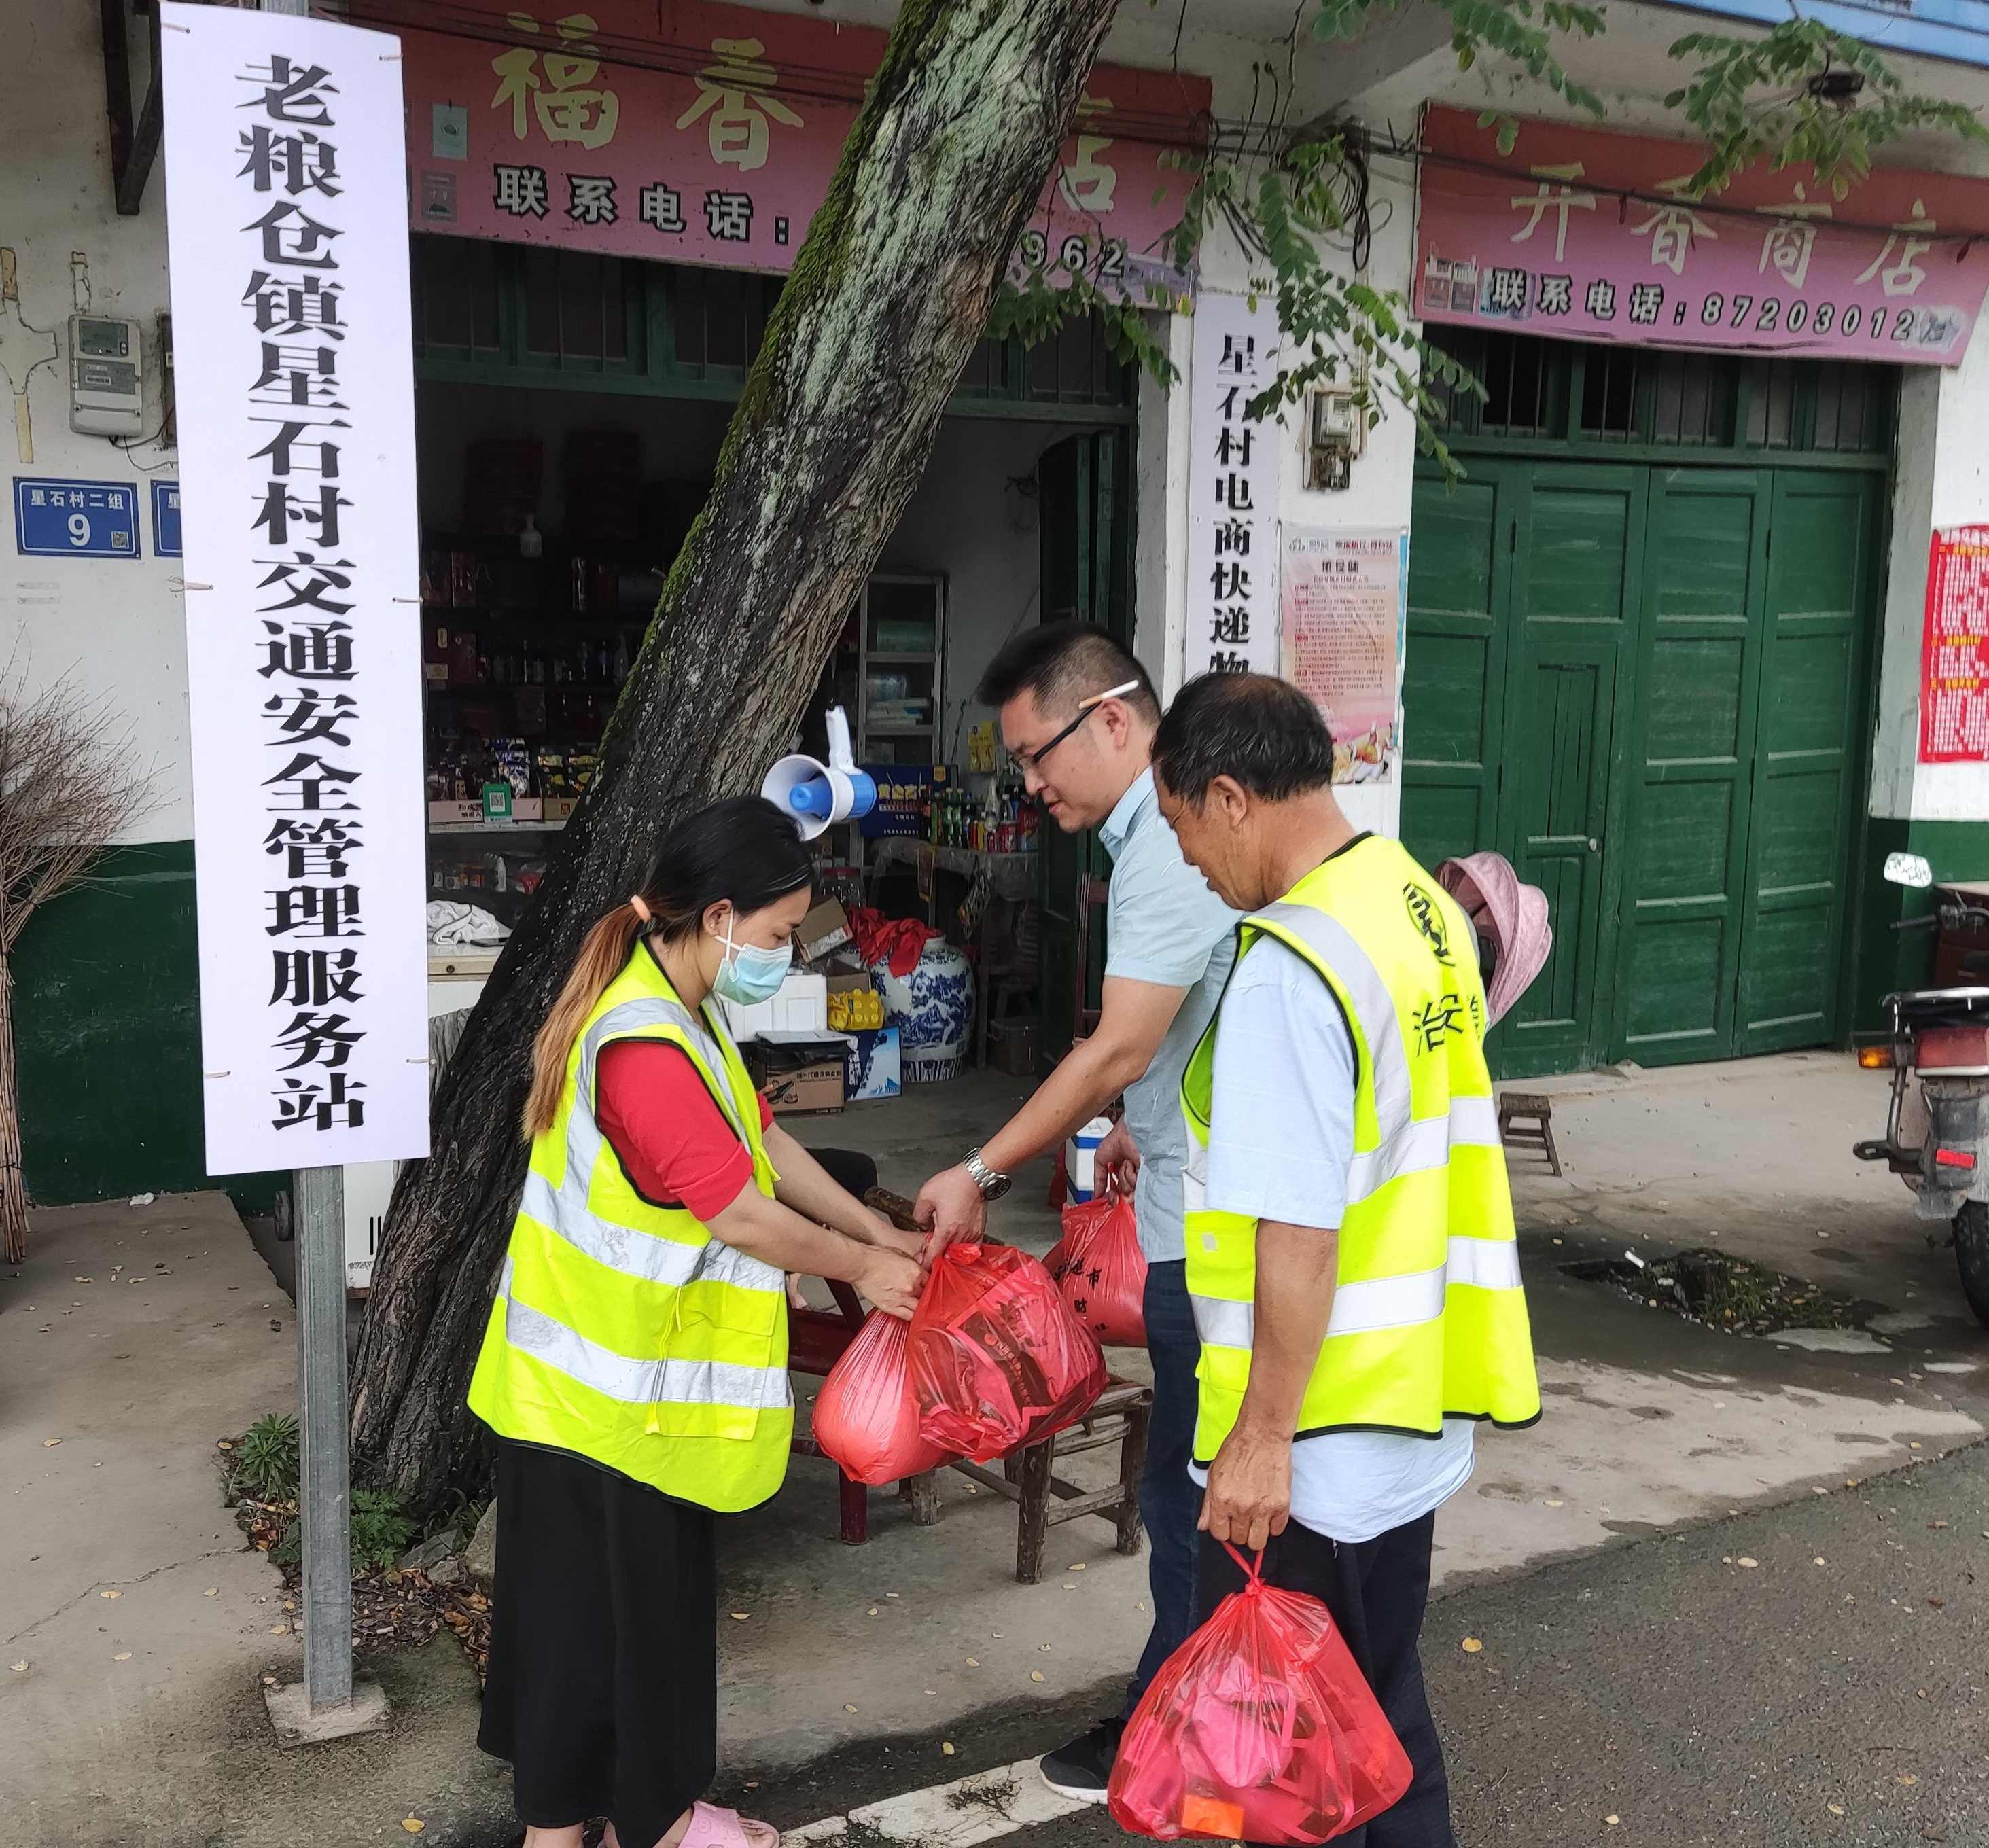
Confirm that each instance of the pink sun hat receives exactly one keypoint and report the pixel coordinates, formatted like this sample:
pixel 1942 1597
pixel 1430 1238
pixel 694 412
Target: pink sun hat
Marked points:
pixel 1508 916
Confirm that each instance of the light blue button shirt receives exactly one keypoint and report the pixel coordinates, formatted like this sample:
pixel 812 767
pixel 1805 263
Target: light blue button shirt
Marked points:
pixel 1163 926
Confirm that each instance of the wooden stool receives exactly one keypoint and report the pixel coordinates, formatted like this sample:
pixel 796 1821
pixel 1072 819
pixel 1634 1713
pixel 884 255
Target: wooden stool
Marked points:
pixel 1525 1120
pixel 1028 1478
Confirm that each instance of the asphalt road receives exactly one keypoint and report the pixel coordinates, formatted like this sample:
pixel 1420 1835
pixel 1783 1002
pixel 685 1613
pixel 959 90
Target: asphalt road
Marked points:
pixel 1811 1674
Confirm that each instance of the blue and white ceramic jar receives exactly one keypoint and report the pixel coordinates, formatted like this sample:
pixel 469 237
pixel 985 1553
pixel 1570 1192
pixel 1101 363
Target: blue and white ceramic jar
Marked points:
pixel 933 1008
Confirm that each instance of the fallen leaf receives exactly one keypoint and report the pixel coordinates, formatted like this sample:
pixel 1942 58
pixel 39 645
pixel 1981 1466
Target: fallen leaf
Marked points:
pixel 1080 1566
pixel 1612 1820
pixel 739 1616
pixel 1471 1646
pixel 1936 1524
pixel 946 1746
pixel 890 1594
pixel 1912 1447
pixel 1819 1489
pixel 847 1707
pixel 19 1668
pixel 1035 1675
pixel 1938 1603
pixel 110 1594
pixel 213 1591
pixel 279 1629
pixel 223 1444
pixel 973 1661
pixel 1906 1777
pixel 1834 1809
pixel 413 1824
pixel 1751 1564
pixel 1556 1503
pixel 124 1656
pixel 48 1443
pixel 873 1610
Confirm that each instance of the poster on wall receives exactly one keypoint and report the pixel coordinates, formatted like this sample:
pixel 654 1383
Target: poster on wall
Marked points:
pixel 293 358
pixel 1586 236
pixel 708 133
pixel 1954 652
pixel 1342 601
pixel 1233 522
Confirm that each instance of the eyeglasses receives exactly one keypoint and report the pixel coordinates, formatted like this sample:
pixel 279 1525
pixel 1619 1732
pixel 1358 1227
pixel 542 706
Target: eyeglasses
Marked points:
pixel 1033 760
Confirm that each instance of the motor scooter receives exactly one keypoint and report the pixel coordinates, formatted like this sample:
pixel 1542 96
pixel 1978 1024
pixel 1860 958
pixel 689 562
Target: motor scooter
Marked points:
pixel 1937 1137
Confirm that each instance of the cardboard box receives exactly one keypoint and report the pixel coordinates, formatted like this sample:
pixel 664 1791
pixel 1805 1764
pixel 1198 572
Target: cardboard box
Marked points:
pixel 797 1072
pixel 825 930
pixel 1011 1046
pixel 873 1067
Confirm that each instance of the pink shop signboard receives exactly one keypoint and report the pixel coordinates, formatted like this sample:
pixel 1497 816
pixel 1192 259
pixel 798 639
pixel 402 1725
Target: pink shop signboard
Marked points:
pixel 1582 236
pixel 701 133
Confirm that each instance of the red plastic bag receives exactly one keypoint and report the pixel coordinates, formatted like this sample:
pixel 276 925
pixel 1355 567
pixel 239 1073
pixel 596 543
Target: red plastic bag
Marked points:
pixel 1102 1272
pixel 998 1359
pixel 866 1418
pixel 1258 1728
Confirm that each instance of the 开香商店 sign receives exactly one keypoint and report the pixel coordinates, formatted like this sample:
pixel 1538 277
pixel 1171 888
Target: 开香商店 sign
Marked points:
pixel 1592 236
pixel 294 364
pixel 709 135
pixel 1954 650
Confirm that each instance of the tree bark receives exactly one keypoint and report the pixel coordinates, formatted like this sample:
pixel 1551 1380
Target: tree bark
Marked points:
pixel 888 297
pixel 13 1184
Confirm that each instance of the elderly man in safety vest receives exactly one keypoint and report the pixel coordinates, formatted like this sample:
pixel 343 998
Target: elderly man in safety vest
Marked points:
pixel 1350 1254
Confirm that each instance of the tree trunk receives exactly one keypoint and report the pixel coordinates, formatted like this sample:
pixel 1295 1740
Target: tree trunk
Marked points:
pixel 13 1184
pixel 888 295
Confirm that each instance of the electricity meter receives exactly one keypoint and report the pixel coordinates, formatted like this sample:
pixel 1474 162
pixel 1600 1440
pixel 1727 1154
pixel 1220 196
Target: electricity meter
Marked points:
pixel 106 377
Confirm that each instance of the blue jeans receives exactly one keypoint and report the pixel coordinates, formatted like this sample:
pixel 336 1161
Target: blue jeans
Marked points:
pixel 1170 1500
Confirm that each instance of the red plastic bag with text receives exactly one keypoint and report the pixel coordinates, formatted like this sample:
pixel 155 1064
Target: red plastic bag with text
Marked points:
pixel 867 1417
pixel 998 1359
pixel 1258 1728
pixel 1102 1272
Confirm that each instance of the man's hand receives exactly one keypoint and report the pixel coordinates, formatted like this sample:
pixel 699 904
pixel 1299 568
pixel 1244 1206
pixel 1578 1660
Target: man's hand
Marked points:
pixel 1119 1156
pixel 950 1207
pixel 891 1280
pixel 882 1232
pixel 1249 1493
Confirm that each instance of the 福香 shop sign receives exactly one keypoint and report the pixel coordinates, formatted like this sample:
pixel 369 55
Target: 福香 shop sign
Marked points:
pixel 1582 235
pixel 708 133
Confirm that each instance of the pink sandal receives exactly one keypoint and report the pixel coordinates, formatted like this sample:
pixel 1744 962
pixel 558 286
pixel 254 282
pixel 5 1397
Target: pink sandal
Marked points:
pixel 711 1827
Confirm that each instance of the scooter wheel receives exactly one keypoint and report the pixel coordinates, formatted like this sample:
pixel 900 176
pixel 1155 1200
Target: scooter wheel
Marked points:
pixel 1971 1256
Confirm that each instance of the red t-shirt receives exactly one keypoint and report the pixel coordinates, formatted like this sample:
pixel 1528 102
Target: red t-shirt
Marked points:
pixel 660 1118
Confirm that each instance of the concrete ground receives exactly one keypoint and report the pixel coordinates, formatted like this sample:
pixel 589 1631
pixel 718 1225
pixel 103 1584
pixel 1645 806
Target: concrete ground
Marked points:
pixel 1655 1427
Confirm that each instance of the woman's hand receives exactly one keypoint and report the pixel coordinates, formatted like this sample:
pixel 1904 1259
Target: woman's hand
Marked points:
pixel 891 1280
pixel 878 1231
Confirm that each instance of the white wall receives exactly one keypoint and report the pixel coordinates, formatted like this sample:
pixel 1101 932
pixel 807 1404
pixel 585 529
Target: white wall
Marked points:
pixel 114 625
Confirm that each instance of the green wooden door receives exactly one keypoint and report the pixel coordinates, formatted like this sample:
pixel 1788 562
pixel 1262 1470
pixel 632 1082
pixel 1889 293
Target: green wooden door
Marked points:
pixel 1454 671
pixel 1085 554
pixel 1690 763
pixel 1577 538
pixel 1808 746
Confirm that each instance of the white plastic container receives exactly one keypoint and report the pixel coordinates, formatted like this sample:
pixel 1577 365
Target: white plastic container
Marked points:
pixel 1080 1159
pixel 801 1006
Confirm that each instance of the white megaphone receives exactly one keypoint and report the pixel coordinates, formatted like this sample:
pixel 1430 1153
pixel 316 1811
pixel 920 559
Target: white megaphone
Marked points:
pixel 817 794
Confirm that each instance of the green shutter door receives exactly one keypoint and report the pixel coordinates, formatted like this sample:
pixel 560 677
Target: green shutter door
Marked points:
pixel 1577 538
pixel 1454 672
pixel 1808 742
pixel 1690 763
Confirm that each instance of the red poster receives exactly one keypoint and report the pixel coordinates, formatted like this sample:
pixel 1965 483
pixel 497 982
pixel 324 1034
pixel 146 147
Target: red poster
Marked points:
pixel 705 133
pixel 1954 655
pixel 1584 235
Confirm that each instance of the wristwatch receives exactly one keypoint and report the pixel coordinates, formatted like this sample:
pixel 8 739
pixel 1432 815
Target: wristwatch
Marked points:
pixel 992 1185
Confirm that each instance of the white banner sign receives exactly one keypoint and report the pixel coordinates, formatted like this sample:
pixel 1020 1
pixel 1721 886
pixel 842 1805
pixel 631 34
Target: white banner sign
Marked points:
pixel 1232 527
pixel 286 209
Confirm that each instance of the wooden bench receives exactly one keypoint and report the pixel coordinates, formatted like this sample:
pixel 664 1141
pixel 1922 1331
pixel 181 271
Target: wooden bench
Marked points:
pixel 1043 1500
pixel 1525 1120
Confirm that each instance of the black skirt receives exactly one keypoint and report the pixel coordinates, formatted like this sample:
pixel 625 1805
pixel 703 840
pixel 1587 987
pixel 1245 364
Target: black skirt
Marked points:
pixel 602 1689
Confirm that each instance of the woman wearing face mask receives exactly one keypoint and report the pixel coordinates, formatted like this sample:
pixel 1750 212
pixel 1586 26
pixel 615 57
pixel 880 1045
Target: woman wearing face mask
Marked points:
pixel 635 1366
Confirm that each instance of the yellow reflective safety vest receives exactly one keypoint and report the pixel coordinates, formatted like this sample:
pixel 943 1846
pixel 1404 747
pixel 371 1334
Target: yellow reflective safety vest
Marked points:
pixel 1428 1319
pixel 623 1329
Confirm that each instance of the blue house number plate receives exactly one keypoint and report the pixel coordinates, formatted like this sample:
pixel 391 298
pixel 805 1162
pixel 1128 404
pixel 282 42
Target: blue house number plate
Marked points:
pixel 76 519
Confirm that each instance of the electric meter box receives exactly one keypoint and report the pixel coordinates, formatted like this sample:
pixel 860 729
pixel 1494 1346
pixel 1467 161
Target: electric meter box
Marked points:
pixel 106 377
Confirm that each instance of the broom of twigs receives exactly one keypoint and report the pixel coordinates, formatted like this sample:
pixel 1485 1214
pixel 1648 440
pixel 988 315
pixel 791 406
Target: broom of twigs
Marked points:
pixel 68 788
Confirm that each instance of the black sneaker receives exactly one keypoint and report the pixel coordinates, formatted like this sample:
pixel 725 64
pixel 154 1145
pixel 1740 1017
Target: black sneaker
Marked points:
pixel 1082 1769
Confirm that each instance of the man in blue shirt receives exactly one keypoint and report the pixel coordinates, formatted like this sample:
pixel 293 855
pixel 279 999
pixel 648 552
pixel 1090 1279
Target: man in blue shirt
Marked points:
pixel 1078 713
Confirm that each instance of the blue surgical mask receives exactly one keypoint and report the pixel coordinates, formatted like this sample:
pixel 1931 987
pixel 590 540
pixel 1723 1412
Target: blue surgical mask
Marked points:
pixel 749 975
